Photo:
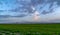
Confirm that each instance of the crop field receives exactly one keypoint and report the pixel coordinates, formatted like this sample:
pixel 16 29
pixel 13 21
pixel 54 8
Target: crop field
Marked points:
pixel 30 29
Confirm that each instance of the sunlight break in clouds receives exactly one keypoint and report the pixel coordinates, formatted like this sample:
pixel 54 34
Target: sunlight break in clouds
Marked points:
pixel 24 10
pixel 36 15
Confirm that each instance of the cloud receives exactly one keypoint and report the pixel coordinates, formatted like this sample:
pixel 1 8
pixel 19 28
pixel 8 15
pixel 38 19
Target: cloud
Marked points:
pixel 19 7
pixel 47 12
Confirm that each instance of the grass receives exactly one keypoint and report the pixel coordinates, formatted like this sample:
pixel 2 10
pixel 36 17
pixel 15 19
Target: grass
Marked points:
pixel 41 28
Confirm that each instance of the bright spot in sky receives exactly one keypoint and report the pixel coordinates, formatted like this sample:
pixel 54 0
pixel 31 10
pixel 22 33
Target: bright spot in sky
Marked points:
pixel 29 11
pixel 36 15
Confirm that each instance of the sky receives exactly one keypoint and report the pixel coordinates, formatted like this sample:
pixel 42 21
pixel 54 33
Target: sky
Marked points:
pixel 23 11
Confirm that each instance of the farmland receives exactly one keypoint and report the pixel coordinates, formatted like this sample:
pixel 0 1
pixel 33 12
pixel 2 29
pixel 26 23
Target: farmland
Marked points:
pixel 32 28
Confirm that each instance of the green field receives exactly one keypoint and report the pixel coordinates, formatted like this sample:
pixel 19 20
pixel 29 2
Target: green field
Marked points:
pixel 25 28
